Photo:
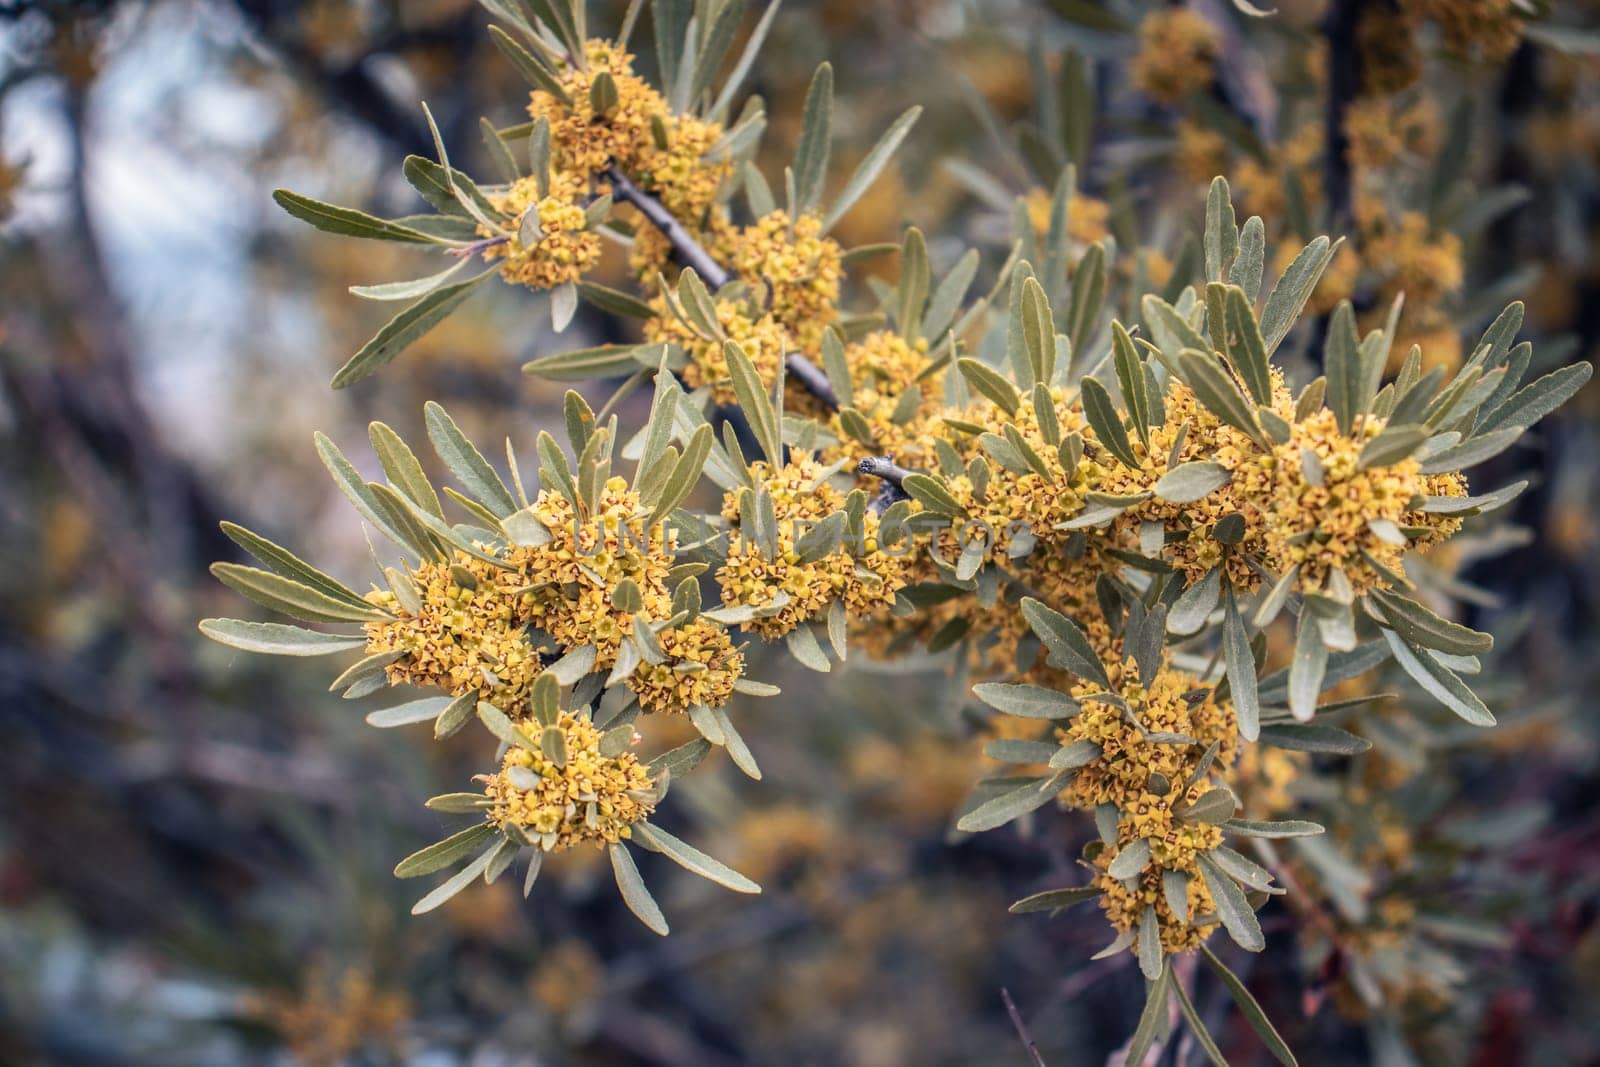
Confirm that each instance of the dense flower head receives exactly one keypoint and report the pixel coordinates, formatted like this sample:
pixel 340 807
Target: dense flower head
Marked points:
pixel 1490 29
pixel 465 636
pixel 1173 703
pixel 574 577
pixel 565 248
pixel 858 571
pixel 1177 54
pixel 1329 514
pixel 884 367
pixel 799 265
pixel 586 796
pixel 757 333
pixel 583 142
pixel 1088 217
pixel 701 666
pixel 685 174
pixel 1147 780
pixel 1124 904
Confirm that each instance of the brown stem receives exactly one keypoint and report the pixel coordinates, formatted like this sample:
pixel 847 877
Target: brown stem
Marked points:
pixel 691 254
pixel 1022 1028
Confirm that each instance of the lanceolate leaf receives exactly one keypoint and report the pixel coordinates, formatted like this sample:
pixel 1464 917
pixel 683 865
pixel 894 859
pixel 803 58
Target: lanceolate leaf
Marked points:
pixel 1026 701
pixel 1232 908
pixel 347 221
pixel 1069 648
pixel 872 165
pixel 692 859
pixel 811 156
pixel 1252 1010
pixel 634 893
pixel 291 566
pixel 1106 421
pixel 442 854
pixel 290 597
pixel 1292 290
pixel 278 639
pixel 1055 899
pixel 467 463
pixel 1007 806
pixel 1439 681
pixel 403 329
pixel 1241 664
pixel 1420 626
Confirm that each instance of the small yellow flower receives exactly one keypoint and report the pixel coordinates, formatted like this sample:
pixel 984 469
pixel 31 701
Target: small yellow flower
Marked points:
pixel 589 797
pixel 1177 54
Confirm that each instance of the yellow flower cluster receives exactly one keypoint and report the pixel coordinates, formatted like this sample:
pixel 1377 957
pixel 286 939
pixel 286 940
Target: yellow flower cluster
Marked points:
pixel 575 795
pixel 799 266
pixel 1487 29
pixel 465 636
pixel 1177 54
pixel 883 367
pixel 667 154
pixel 1088 217
pixel 575 576
pixel 860 574
pixel 700 669
pixel 1146 780
pixel 1330 514
pixel 757 332
pixel 564 248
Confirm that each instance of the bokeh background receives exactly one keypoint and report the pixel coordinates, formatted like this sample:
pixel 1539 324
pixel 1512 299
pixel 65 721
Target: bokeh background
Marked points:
pixel 195 845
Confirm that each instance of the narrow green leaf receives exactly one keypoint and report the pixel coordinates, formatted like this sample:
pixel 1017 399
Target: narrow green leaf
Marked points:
pixel 1238 918
pixel 1068 646
pixel 692 859
pixel 347 222
pixel 403 329
pixel 278 639
pixel 466 462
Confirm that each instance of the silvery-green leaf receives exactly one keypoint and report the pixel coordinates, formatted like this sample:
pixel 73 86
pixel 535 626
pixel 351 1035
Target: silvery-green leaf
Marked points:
pixel 1439 681
pixel 1282 828
pixel 1189 482
pixel 278 639
pixel 1238 918
pixel 466 462
pixel 1106 421
pixel 1293 289
pixel 811 155
pixel 803 646
pixel 1150 958
pixel 403 329
pixel 1195 605
pixel 1251 1010
pixel 1308 668
pixel 871 166
pixel 1131 860
pixel 424 710
pixel 634 893
pixel 1000 810
pixel 1069 648
pixel 345 221
pixel 563 305
pixel 442 854
pixel 1311 737
pixel 457 882
pixel 409 290
pixel 1026 701
pixel 692 859
pixel 290 597
pixel 1419 626
pixel 1055 899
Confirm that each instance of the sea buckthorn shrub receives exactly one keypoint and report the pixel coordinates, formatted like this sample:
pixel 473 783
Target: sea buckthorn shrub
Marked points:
pixel 1159 513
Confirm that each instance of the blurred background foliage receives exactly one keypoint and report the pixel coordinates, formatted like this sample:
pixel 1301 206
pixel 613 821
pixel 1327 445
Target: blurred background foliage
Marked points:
pixel 195 845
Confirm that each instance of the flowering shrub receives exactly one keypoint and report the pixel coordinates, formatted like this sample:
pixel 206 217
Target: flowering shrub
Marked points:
pixel 1091 489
